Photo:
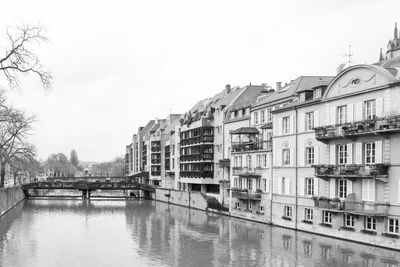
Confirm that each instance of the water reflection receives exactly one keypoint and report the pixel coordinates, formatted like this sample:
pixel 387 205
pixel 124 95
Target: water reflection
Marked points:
pixel 147 233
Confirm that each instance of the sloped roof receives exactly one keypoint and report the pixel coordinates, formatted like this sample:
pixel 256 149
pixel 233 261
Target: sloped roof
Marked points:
pixel 245 130
pixel 299 84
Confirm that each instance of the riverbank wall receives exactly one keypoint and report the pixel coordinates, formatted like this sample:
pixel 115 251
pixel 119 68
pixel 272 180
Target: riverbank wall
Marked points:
pixel 9 197
pixel 198 201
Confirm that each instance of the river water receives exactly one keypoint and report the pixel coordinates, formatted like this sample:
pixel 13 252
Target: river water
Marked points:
pixel 148 233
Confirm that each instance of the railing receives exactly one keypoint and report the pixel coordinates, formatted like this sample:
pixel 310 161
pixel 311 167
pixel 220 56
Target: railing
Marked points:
pixel 156 149
pixel 252 145
pixel 328 203
pixel 352 170
pixel 246 195
pixel 84 185
pixel 349 206
pixel 156 161
pixel 197 140
pixel 197 174
pixel 246 171
pixel 197 157
pixel 155 173
pixel 390 124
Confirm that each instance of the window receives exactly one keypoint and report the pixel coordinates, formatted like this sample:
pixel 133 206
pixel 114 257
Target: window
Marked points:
pixel 173 163
pixel 262 210
pixel 286 156
pixel 349 221
pixel 285 186
pixel 342 154
pixel 235 182
pixel 369 152
pixel 309 155
pixel 269 115
pixel 256 117
pixel 241 183
pixel 250 205
pixel 393 226
pixel 326 217
pixel 302 97
pixel 262 115
pixel 235 161
pixel 237 205
pixel 288 212
pixel 259 161
pixel 370 224
pixel 309 186
pixel 265 160
pixel 342 188
pixel 247 112
pixel 286 125
pixel 258 184
pixel 239 161
pixel 369 109
pixel 309 121
pixel 368 190
pixel 341 116
pixel 249 165
pixel 250 184
pixel 308 214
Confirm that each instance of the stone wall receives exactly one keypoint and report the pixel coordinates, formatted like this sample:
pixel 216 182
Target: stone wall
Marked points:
pixel 9 197
pixel 188 199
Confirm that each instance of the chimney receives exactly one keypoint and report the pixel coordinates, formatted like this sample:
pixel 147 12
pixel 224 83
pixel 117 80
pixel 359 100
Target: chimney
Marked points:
pixel 278 86
pixel 228 88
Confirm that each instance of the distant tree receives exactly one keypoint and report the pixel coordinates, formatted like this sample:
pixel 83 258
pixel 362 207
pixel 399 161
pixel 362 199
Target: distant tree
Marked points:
pixel 73 158
pixel 114 167
pixel 19 57
pixel 60 164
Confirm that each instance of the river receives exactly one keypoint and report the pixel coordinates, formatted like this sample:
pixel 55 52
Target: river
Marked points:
pixel 148 233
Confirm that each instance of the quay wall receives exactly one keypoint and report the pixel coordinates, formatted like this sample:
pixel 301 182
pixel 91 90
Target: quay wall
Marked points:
pixel 9 197
pixel 183 198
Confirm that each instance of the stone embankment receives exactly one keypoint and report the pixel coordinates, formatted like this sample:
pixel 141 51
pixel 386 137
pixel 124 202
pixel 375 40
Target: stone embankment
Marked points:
pixel 9 197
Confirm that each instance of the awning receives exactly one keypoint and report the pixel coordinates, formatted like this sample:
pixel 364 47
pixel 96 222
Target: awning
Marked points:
pixel 139 174
pixel 267 125
pixel 245 130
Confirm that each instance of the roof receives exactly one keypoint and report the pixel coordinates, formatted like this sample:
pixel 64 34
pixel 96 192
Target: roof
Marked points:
pixel 245 130
pixel 297 85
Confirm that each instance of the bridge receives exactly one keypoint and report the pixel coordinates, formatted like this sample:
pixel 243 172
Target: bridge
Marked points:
pixel 87 185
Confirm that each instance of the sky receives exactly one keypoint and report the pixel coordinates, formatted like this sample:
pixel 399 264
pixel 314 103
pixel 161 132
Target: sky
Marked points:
pixel 117 64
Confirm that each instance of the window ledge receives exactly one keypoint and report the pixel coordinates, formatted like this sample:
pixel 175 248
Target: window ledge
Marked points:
pixel 326 224
pixel 286 218
pixel 347 228
pixel 305 221
pixel 391 235
pixel 370 232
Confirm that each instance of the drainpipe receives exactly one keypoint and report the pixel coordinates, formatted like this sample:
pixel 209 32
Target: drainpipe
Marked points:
pixel 297 169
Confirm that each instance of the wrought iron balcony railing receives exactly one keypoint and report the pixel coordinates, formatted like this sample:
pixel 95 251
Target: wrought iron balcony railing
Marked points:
pixel 196 174
pixel 243 194
pixel 197 157
pixel 386 125
pixel 377 170
pixel 246 172
pixel 251 145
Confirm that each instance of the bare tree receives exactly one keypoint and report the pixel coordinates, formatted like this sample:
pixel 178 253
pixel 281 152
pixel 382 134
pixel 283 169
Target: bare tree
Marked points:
pixel 15 127
pixel 19 57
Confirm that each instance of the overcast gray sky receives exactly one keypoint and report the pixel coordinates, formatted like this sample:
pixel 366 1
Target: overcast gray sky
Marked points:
pixel 118 64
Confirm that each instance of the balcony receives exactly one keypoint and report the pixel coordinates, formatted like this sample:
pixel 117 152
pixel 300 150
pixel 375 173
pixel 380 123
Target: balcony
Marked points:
pixel 197 174
pixel 377 209
pixel 333 204
pixel 382 126
pixel 197 157
pixel 155 173
pixel 197 140
pixel 156 161
pixel 156 149
pixel 225 163
pixel 378 171
pixel 244 194
pixel 246 172
pixel 251 146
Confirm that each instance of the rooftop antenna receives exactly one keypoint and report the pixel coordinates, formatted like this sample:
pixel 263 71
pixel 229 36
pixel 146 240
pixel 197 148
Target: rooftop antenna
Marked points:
pixel 348 55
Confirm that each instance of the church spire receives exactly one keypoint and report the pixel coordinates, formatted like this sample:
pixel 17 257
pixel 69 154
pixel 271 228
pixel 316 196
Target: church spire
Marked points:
pixel 395 31
pixel 381 56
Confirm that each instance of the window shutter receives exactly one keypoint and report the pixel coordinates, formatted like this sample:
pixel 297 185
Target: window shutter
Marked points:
pixel 368 190
pixel 359 111
pixel 350 153
pixel 316 118
pixel 278 161
pixel 267 185
pixel 379 107
pixel 301 186
pixel 372 190
pixel 332 188
pixel 364 192
pixel 287 185
pixel 291 157
pixel 332 154
pixel 279 186
pixel 316 186
pixel 349 187
pixel 358 152
pixel 302 122
pixel 350 112
pixel 333 115
pixel 378 152
pixel 316 155
pixel 291 124
pixel 301 156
